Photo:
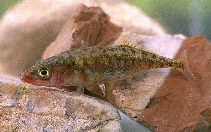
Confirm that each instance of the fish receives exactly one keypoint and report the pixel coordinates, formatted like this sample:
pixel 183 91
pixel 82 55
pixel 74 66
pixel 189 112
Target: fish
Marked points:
pixel 97 65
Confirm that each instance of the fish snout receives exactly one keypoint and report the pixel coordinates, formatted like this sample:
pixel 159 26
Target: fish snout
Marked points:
pixel 26 77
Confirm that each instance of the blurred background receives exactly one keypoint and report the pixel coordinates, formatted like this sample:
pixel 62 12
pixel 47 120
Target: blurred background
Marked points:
pixel 5 4
pixel 189 17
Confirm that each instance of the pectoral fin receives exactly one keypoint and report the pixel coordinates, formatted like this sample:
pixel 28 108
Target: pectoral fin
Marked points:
pixel 99 90
pixel 80 89
pixel 102 88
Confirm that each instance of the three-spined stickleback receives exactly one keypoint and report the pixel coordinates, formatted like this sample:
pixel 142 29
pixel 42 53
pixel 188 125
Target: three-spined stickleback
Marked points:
pixel 99 64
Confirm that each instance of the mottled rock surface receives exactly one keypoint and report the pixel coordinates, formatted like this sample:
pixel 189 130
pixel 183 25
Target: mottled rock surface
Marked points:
pixel 28 108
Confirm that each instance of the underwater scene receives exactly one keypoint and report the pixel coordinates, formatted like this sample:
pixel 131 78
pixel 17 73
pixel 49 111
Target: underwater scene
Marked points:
pixel 108 65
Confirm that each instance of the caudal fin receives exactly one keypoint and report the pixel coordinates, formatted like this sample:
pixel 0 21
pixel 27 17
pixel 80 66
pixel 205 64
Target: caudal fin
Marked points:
pixel 186 69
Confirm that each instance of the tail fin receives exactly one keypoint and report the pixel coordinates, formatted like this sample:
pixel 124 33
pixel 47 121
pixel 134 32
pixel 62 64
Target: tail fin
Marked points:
pixel 186 70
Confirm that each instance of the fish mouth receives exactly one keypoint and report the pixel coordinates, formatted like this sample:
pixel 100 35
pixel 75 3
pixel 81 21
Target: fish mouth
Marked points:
pixel 25 77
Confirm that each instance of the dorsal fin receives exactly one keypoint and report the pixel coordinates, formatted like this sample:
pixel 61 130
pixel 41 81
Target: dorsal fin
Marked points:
pixel 132 41
pixel 139 41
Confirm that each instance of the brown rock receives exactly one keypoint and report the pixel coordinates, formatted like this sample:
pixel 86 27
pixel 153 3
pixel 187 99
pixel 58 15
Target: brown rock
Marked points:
pixel 130 17
pixel 29 108
pixel 177 105
pixel 90 27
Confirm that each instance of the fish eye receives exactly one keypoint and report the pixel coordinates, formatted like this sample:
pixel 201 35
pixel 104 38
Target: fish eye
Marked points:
pixel 44 73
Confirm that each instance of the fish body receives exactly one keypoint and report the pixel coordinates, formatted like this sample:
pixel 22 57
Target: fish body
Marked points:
pixel 96 65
